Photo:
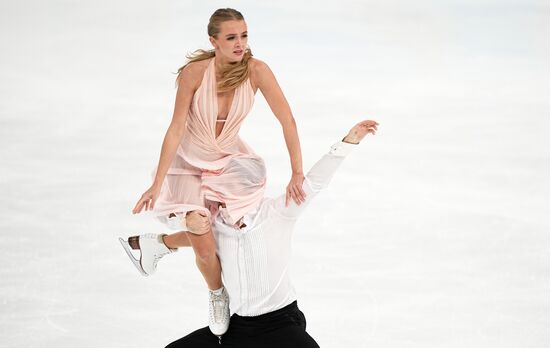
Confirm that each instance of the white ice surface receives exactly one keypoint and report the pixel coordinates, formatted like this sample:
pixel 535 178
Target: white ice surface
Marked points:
pixel 435 233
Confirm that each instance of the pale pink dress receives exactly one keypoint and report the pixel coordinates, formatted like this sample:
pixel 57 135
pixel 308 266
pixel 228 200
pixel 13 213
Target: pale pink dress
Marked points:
pixel 222 169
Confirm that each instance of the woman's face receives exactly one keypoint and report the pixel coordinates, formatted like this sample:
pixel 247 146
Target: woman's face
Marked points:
pixel 232 40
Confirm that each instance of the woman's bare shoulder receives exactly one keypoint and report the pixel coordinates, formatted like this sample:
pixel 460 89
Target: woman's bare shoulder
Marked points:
pixel 259 72
pixel 257 66
pixel 193 72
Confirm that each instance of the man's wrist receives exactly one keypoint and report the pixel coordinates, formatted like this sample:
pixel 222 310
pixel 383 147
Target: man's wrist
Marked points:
pixel 341 148
pixel 349 141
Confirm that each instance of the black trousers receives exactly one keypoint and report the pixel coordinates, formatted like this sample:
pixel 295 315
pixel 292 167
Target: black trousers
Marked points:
pixel 283 328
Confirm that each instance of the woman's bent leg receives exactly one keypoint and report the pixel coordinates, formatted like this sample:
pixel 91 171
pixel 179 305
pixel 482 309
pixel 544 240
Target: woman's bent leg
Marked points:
pixel 205 256
pixel 177 240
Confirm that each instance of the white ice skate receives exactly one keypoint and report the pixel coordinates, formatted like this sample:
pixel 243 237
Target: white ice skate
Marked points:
pixel 218 319
pixel 151 249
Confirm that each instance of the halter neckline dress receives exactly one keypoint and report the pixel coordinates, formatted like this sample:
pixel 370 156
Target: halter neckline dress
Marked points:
pixel 223 168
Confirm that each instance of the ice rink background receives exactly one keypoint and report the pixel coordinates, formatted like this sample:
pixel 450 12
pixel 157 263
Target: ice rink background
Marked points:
pixel 435 233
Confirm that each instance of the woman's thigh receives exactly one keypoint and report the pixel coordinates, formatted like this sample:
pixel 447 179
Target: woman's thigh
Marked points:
pixel 179 195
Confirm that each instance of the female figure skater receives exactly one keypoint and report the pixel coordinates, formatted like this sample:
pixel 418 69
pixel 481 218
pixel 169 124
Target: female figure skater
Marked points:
pixel 202 155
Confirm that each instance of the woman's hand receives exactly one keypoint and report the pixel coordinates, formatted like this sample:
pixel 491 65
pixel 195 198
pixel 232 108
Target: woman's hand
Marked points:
pixel 147 200
pixel 294 189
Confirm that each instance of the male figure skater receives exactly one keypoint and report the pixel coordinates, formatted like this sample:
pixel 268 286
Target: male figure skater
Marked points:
pixel 255 261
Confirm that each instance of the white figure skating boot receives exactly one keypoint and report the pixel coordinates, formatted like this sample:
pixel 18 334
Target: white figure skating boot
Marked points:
pixel 151 249
pixel 218 318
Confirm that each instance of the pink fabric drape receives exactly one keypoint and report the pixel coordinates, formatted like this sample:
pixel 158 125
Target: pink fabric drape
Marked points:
pixel 223 168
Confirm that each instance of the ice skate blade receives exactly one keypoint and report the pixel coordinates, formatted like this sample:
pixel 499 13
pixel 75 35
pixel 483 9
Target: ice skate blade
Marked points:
pixel 135 261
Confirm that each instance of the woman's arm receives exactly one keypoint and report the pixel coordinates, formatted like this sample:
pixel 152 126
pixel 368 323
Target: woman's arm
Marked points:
pixel 320 175
pixel 266 82
pixel 187 85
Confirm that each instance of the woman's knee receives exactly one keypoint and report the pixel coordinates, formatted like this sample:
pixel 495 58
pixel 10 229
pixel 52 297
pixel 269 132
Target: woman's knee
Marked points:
pixel 204 246
pixel 197 222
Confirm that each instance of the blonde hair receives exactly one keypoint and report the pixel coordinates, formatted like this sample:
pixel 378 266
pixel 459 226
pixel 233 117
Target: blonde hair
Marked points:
pixel 234 73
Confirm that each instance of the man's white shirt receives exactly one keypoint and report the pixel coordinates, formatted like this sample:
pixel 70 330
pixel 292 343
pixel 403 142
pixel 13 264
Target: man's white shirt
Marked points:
pixel 255 260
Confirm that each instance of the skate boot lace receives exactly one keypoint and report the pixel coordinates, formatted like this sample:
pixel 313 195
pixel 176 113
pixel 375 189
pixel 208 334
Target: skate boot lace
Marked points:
pixel 156 257
pixel 218 304
pixel 159 256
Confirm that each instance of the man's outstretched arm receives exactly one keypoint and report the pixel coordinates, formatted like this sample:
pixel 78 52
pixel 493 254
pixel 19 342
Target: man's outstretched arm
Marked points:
pixel 321 173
